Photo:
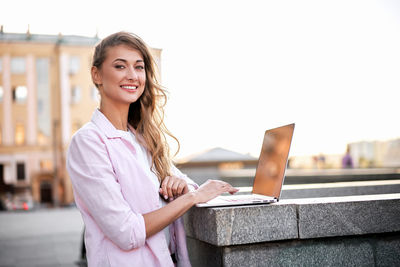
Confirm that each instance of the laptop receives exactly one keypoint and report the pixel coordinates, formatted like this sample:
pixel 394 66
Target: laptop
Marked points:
pixel 270 172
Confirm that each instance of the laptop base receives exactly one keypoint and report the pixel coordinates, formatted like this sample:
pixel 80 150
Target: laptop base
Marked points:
pixel 240 200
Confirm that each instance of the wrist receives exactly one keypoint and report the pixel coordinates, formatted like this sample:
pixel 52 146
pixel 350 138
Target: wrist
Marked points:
pixel 193 197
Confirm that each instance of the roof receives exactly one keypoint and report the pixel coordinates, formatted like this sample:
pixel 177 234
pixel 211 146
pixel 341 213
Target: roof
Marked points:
pixel 47 38
pixel 218 154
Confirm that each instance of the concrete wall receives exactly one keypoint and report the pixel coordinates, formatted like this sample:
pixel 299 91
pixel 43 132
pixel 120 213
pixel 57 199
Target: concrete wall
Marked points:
pixel 345 231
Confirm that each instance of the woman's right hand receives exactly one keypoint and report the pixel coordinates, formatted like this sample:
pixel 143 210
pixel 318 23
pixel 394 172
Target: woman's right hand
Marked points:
pixel 212 189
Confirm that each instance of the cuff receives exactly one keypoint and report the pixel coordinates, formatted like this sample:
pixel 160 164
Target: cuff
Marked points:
pixel 139 233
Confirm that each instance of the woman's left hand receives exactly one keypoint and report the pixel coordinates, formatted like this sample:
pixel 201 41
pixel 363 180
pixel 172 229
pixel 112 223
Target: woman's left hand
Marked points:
pixel 173 187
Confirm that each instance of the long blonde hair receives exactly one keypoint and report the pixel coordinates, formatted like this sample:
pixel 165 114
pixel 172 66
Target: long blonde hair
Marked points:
pixel 146 115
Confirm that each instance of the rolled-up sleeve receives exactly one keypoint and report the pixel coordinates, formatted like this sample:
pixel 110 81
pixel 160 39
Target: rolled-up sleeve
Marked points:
pixel 97 187
pixel 191 184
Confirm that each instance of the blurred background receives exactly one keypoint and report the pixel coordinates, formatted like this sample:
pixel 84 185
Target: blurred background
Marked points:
pixel 233 69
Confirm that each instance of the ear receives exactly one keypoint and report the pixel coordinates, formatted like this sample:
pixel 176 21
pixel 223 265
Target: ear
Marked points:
pixel 96 76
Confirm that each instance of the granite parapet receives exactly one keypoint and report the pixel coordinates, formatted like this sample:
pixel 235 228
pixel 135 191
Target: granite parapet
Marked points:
pixel 342 231
pixel 242 225
pixel 348 216
pixel 342 251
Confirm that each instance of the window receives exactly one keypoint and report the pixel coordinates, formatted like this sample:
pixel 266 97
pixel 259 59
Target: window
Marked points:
pixel 20 171
pixel 1 93
pixel 46 192
pixel 20 94
pixel 19 134
pixel 75 94
pixel 74 64
pixel 42 139
pixel 43 97
pixel 2 175
pixel 18 65
pixel 46 165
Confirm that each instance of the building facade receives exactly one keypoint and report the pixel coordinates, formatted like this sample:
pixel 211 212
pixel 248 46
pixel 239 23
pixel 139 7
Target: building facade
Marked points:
pixel 217 163
pixel 46 94
pixel 376 154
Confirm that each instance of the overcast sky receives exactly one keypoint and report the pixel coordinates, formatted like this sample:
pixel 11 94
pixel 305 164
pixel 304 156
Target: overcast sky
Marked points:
pixel 236 68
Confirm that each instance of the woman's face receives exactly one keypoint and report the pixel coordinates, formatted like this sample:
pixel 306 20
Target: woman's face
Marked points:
pixel 122 76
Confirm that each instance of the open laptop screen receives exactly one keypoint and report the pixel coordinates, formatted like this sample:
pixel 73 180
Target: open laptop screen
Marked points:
pixel 272 161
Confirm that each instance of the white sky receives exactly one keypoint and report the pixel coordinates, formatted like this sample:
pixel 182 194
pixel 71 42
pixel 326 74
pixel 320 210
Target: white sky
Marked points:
pixel 236 68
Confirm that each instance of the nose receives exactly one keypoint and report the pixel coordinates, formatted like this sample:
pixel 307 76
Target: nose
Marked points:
pixel 131 74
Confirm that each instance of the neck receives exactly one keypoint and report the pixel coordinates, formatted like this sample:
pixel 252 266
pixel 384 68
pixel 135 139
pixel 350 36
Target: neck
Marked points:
pixel 117 115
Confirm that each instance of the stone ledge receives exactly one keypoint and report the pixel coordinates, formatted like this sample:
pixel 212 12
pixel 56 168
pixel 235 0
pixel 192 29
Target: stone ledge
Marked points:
pixel 349 216
pixel 338 189
pixel 242 225
pixel 341 191
pixel 295 219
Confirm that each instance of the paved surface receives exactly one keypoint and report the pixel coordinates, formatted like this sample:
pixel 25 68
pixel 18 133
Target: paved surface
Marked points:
pixel 46 237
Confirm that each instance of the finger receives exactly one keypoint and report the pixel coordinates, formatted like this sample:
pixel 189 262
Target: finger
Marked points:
pixel 233 190
pixel 169 187
pixel 181 188
pixel 164 187
pixel 228 188
pixel 185 189
pixel 175 187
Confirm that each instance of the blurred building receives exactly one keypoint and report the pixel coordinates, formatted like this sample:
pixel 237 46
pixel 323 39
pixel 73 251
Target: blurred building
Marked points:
pixel 365 154
pixel 215 163
pixel 376 154
pixel 46 94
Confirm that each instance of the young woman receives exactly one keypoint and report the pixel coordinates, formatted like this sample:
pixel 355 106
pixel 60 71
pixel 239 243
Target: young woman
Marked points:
pixel 130 195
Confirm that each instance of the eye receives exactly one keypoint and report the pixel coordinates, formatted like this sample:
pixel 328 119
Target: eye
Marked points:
pixel 140 67
pixel 119 66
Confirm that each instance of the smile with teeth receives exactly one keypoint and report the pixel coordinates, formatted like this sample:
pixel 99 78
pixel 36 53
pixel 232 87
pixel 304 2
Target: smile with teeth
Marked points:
pixel 128 87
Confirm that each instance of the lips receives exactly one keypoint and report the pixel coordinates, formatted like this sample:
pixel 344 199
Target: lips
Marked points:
pixel 130 88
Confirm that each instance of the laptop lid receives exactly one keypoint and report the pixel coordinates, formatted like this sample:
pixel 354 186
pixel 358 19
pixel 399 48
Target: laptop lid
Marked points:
pixel 272 162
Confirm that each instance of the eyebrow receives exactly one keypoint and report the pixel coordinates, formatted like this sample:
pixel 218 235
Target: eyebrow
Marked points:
pixel 125 61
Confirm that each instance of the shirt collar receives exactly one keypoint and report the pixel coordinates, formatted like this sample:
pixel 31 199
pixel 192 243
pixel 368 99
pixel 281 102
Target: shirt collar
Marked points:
pixel 105 125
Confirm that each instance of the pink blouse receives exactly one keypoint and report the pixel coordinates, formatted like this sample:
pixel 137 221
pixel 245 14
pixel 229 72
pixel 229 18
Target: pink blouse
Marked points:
pixel 112 191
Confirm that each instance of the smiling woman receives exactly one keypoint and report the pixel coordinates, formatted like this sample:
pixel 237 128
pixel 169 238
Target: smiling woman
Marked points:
pixel 121 78
pixel 130 195
pixel 123 69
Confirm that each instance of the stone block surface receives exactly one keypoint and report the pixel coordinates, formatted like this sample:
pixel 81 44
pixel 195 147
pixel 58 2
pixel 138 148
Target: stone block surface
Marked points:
pixel 348 216
pixel 371 250
pixel 344 231
pixel 321 252
pixel 388 251
pixel 242 225
pixel 203 254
